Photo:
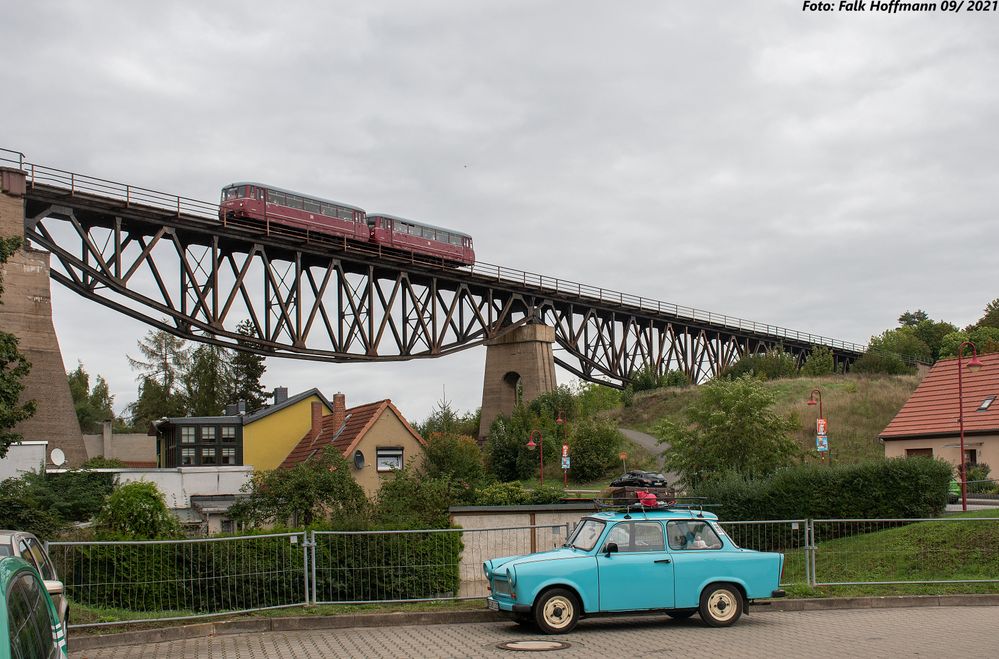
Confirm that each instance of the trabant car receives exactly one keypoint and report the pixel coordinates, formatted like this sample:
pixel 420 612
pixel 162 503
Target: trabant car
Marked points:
pixel 674 560
pixel 25 545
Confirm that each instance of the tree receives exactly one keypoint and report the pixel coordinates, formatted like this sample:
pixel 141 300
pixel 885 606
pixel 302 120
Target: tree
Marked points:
pixel 209 381
pixel 445 420
pixel 409 500
pixel 93 406
pixel 775 364
pixel 730 426
pixel 594 447
pixel 21 508
pixel 167 358
pixel 912 318
pixel 819 362
pixel 903 342
pixel 247 369
pixel 155 402
pixel 885 363
pixel 137 511
pixel 991 317
pixel 317 489
pixel 452 456
pixel 14 367
pixel 985 338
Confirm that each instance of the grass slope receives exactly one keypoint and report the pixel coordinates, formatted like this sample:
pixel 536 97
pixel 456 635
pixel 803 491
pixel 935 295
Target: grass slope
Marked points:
pixel 857 409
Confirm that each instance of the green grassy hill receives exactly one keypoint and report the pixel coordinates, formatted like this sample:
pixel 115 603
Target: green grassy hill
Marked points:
pixel 857 409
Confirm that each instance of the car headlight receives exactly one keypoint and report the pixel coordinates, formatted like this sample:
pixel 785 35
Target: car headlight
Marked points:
pixel 511 576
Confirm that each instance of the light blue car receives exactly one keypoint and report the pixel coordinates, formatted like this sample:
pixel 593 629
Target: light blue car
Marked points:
pixel 677 561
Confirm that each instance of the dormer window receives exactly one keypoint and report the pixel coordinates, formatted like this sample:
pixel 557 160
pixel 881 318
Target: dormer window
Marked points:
pixel 985 404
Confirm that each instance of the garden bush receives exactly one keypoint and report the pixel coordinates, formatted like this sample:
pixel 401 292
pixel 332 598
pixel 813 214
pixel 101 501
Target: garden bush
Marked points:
pixel 878 489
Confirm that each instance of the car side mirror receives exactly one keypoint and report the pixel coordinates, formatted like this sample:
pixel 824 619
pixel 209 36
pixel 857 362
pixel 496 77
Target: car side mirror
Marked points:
pixel 54 588
pixel 611 548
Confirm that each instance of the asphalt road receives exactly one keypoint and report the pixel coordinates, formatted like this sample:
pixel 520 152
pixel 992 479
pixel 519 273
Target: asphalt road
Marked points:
pixel 960 631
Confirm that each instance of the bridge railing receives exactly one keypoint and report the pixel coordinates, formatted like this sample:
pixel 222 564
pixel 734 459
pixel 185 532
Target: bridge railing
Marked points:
pixel 175 204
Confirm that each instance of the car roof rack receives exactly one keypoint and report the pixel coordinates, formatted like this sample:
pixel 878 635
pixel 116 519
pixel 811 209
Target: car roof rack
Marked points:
pixel 629 505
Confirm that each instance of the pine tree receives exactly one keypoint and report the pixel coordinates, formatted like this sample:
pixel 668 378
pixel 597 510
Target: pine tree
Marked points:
pixel 167 359
pixel 247 369
pixel 208 383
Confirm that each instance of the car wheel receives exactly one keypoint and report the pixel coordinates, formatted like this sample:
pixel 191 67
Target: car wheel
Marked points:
pixel 721 605
pixel 681 615
pixel 556 611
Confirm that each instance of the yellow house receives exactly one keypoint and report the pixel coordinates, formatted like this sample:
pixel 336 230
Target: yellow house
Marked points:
pixel 375 438
pixel 262 439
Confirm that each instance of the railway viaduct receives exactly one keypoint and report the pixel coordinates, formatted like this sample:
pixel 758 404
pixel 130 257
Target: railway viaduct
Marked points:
pixel 170 262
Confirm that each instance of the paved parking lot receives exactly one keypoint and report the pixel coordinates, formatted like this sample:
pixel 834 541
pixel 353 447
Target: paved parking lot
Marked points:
pixel 926 632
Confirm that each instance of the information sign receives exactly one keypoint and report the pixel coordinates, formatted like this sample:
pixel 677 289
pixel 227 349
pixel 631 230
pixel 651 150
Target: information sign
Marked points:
pixel 821 443
pixel 820 427
pixel 565 450
pixel 565 462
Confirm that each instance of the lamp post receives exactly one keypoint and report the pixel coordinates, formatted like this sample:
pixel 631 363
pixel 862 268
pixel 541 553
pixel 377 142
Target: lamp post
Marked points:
pixel 974 365
pixel 541 452
pixel 820 431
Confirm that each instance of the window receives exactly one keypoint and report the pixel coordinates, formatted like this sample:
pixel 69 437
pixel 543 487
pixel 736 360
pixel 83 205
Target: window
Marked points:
pixel 455 240
pixel 187 456
pixel 637 536
pixel 209 456
pixel 228 433
pixel 228 526
pixel 919 453
pixel 187 434
pixel 208 434
pixel 329 211
pixel 585 535
pixel 970 456
pixel 28 619
pixel 228 456
pixel 38 558
pixel 388 459
pixel 277 198
pixel 312 206
pixel 692 535
pixel 986 404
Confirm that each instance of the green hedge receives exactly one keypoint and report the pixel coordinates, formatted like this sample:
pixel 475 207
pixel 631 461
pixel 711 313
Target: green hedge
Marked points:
pixel 880 489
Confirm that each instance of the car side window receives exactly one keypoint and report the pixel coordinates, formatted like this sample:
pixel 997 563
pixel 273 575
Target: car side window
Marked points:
pixel 637 537
pixel 42 562
pixel 692 534
pixel 28 619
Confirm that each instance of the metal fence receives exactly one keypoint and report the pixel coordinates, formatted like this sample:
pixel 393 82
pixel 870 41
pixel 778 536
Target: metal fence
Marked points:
pixel 175 579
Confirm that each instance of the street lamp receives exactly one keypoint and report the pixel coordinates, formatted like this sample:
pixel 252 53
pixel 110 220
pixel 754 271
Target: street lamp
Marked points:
pixel 541 452
pixel 974 365
pixel 820 431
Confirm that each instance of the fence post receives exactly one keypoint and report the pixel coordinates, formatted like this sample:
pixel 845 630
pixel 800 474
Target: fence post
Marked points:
pixel 305 565
pixel 812 547
pixel 315 589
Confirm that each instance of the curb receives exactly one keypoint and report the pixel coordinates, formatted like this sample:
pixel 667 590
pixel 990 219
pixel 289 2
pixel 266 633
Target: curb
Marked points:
pixel 305 623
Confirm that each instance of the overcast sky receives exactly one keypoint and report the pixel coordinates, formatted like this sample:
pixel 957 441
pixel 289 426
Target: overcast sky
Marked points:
pixel 819 171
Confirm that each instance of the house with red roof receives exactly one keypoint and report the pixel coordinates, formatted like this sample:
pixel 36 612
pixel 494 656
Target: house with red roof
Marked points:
pixel 928 422
pixel 375 438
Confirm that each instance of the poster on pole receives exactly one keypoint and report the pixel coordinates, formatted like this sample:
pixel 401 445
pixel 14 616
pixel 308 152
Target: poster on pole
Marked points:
pixel 565 450
pixel 565 462
pixel 821 443
pixel 820 427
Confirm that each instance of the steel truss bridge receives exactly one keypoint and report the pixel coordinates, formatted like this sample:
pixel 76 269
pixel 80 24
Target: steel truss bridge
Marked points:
pixel 170 262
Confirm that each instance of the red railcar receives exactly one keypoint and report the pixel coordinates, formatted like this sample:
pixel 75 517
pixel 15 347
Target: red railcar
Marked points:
pixel 275 206
pixel 399 233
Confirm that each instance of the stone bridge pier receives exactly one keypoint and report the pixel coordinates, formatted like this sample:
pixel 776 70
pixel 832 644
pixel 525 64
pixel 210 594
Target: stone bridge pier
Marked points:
pixel 26 312
pixel 519 368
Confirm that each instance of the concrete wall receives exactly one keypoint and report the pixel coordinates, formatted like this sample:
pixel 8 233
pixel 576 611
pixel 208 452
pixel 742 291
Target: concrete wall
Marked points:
pixel 386 431
pixel 268 441
pixel 178 484
pixel 26 313
pixel 510 538
pixel 986 446
pixel 127 447
pixel 23 458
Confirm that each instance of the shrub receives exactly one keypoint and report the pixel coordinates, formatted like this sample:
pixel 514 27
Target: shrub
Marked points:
pixel 407 500
pixel 888 363
pixel 594 449
pixel 137 511
pixel 515 494
pixel 456 457
pixel 649 377
pixel 772 365
pixel 819 362
pixel 21 508
pixel 878 489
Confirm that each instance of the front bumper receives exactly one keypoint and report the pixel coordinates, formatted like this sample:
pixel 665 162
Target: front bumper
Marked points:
pixel 506 606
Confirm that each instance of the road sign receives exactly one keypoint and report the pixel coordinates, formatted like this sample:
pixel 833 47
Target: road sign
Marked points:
pixel 565 450
pixel 565 462
pixel 821 443
pixel 820 426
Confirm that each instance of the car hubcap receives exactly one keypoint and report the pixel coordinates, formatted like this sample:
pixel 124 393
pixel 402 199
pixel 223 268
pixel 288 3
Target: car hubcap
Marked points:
pixel 558 612
pixel 722 605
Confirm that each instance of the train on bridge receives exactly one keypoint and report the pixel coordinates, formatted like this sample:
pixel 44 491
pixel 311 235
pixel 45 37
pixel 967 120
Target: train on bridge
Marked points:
pixel 271 205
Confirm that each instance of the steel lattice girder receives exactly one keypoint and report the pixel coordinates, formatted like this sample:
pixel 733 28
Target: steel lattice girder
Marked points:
pixel 197 279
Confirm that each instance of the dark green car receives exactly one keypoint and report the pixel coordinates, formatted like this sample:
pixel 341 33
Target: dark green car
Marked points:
pixel 28 621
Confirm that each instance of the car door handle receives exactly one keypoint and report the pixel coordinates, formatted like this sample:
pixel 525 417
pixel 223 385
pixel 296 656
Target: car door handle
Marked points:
pixel 664 560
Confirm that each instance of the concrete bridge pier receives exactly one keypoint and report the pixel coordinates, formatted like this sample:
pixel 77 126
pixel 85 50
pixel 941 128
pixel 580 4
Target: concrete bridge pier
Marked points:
pixel 519 368
pixel 26 312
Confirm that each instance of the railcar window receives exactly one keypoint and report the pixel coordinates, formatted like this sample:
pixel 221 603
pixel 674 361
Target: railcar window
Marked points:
pixel 277 198
pixel 346 214
pixel 328 210
pixel 311 206
pixel 455 240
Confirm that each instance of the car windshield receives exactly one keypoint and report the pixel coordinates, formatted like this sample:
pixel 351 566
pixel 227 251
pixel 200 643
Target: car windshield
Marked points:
pixel 5 550
pixel 586 535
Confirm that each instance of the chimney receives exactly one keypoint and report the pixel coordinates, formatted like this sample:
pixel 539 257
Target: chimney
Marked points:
pixel 280 394
pixel 339 411
pixel 106 434
pixel 317 419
